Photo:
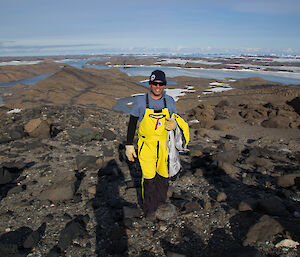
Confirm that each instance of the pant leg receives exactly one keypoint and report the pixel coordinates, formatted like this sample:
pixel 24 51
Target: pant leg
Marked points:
pixel 150 202
pixel 162 186
pixel 155 193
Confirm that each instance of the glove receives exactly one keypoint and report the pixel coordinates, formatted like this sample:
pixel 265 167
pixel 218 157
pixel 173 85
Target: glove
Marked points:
pixel 130 152
pixel 170 124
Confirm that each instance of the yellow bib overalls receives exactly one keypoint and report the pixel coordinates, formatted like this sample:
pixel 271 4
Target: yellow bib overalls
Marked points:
pixel 153 156
pixel 152 143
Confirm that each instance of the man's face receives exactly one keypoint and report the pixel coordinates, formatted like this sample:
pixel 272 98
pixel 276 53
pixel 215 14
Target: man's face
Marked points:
pixel 157 88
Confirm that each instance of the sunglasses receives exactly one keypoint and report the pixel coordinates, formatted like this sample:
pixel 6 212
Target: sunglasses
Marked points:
pixel 161 84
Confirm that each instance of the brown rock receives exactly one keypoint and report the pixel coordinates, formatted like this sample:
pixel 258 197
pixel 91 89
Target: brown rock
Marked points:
pixel 207 205
pixel 228 168
pixel 262 231
pixel 278 122
pixel 192 206
pixel 247 205
pixel 92 190
pixel 221 197
pixel 221 127
pixel 287 180
pixel 60 191
pixel 38 128
pixel 166 211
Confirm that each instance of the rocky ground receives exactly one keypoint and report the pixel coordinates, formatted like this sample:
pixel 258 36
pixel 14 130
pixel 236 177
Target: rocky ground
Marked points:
pixel 66 188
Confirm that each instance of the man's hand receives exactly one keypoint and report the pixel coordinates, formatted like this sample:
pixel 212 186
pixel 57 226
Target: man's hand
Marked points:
pixel 130 152
pixel 170 124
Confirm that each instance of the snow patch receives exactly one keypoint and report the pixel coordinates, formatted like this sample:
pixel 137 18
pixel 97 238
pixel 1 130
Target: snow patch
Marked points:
pixel 14 111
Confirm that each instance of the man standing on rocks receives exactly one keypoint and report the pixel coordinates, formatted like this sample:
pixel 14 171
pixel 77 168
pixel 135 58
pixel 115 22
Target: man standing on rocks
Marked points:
pixel 157 114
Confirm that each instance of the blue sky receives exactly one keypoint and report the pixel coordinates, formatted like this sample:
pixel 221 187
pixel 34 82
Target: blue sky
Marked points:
pixel 44 27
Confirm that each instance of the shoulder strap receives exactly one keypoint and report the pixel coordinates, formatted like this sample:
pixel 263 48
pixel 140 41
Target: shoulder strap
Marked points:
pixel 147 101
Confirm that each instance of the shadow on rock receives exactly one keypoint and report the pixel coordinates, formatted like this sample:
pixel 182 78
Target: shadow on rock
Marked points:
pixel 261 210
pixel 111 238
pixel 135 174
pixel 9 174
pixel 20 242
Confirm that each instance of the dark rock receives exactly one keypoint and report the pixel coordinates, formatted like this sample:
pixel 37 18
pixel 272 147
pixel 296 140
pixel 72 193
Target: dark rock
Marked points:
pixel 278 122
pixel 192 206
pixel 35 145
pixel 109 135
pixel 48 218
pixel 166 211
pixel 295 103
pixel 61 190
pixel 223 103
pixel 56 252
pixel 226 156
pixel 15 190
pixel 263 230
pixel 66 216
pixel 258 161
pixel 250 141
pixel 131 212
pixel 5 176
pixel 83 135
pixel 73 229
pixel 221 116
pixel 15 166
pixel 5 140
pixel 231 137
pixel 32 240
pixel 273 206
pixel 11 243
pixel 54 131
pixel 87 161
pixel 17 133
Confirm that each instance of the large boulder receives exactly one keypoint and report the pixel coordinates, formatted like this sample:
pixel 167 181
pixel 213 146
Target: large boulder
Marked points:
pixel 84 135
pixel 287 180
pixel 88 162
pixel 276 122
pixel 263 230
pixel 61 190
pixel 74 229
pixel 38 128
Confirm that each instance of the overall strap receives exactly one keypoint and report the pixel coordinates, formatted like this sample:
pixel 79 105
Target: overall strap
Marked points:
pixel 147 101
